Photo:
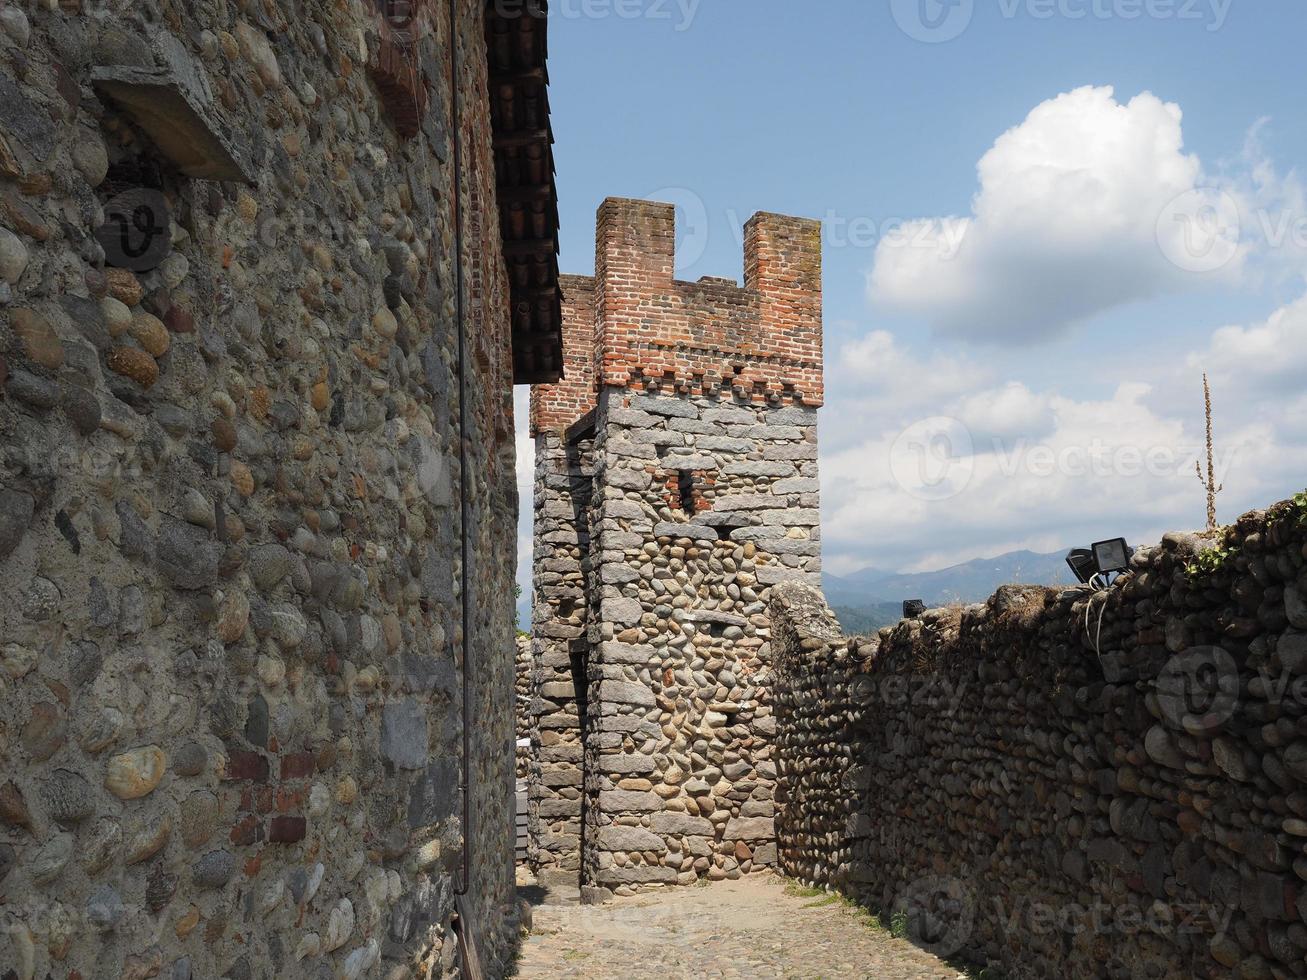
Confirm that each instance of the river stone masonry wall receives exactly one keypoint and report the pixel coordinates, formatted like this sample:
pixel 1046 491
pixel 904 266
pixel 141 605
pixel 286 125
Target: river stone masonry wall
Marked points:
pixel 1066 784
pixel 564 482
pixel 230 623
pixel 694 409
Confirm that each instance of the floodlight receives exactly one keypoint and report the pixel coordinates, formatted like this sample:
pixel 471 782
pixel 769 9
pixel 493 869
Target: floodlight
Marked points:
pixel 913 608
pixel 1081 562
pixel 1112 556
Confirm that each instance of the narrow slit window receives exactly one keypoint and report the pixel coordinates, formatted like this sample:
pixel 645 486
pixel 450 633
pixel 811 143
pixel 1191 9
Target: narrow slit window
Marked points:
pixel 685 490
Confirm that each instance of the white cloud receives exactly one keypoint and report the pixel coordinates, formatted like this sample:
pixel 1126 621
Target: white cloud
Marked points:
pixel 875 378
pixel 1270 355
pixel 1087 205
pixel 1025 468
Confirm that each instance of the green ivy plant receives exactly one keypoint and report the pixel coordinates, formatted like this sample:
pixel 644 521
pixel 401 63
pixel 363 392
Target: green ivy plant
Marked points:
pixel 1299 507
pixel 1209 561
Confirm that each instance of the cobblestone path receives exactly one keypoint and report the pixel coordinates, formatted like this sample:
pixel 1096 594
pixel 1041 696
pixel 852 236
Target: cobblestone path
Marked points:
pixel 747 929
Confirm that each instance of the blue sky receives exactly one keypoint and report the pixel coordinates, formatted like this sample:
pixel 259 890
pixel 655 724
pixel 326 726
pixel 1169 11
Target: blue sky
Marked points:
pixel 1058 323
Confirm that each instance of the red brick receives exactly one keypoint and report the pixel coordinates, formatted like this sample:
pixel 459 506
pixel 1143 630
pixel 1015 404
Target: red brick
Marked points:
pixel 634 325
pixel 247 765
pixel 288 799
pixel 297 765
pixel 247 830
pixel 287 830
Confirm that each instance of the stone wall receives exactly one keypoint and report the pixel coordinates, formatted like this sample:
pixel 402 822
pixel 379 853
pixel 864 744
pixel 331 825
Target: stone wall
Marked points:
pixel 1068 784
pixel 523 685
pixel 564 483
pixel 702 505
pixel 230 627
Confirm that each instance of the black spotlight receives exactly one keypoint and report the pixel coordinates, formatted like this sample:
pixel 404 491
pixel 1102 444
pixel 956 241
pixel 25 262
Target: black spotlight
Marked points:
pixel 1112 556
pixel 1081 561
pixel 913 608
pixel 1096 565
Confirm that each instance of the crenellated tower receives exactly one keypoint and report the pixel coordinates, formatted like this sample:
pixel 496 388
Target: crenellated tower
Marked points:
pixel 676 482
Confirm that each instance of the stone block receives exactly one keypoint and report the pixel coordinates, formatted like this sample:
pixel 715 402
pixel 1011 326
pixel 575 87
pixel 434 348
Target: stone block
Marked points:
pixel 695 532
pixel 637 875
pixel 680 824
pixel 621 612
pixel 630 840
pixel 613 652
pixel 180 120
pixel 621 692
pixel 750 828
pixel 629 801
pixel 405 737
pixel 626 764
pixel 785 451
pixel 664 405
pixel 759 468
pixel 749 501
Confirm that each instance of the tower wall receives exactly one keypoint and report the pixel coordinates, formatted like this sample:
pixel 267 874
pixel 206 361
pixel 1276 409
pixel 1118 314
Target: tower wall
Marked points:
pixel 700 417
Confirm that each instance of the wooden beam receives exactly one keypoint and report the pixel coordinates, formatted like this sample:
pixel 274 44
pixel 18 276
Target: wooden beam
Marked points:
pixel 525 195
pixel 512 77
pixel 521 137
pixel 530 246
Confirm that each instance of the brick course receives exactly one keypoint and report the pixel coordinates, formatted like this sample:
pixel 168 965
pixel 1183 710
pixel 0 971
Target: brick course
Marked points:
pixel 634 325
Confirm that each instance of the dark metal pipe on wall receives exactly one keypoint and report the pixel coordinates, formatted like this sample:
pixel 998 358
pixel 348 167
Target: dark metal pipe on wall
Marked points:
pixel 465 497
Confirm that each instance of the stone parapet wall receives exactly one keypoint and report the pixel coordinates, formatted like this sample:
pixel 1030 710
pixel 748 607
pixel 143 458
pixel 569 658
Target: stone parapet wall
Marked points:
pixel 1067 784
pixel 231 617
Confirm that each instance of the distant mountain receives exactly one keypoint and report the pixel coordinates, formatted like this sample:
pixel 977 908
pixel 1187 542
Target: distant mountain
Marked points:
pixel 868 620
pixel 871 594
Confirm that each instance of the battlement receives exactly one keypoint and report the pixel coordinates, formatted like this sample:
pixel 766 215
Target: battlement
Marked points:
pixel 556 406
pixel 643 328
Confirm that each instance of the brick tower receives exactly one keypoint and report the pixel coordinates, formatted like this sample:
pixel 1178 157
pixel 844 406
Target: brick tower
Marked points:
pixel 676 482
